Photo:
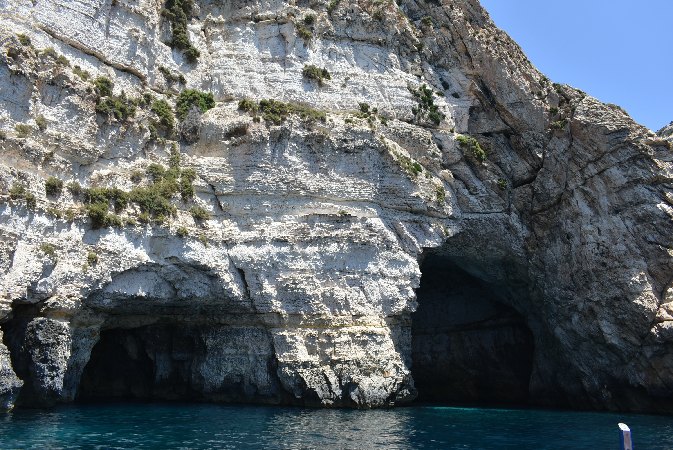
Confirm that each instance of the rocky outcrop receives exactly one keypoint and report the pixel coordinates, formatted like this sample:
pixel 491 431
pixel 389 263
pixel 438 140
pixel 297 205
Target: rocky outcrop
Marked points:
pixel 275 256
pixel 667 131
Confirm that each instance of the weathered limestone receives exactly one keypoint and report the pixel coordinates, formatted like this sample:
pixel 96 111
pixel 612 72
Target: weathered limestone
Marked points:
pixel 300 286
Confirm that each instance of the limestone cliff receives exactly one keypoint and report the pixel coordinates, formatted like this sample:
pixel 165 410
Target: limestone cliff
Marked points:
pixel 267 243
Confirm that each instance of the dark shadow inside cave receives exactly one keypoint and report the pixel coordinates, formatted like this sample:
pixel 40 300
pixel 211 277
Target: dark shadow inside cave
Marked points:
pixel 467 346
pixel 150 362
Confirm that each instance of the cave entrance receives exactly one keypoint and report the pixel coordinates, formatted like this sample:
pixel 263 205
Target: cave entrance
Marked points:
pixel 149 362
pixel 467 345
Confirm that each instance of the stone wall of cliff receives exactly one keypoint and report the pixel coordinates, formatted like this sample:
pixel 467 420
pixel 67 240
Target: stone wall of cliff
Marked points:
pixel 270 252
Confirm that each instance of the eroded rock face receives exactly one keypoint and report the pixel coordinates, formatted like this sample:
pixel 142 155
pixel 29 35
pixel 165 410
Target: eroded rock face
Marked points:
pixel 298 283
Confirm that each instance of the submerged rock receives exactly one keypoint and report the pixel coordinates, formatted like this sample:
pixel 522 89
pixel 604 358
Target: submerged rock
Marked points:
pixel 264 244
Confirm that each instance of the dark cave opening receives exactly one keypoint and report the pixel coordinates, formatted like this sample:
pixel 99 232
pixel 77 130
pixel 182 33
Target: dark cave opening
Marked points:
pixel 467 345
pixel 145 363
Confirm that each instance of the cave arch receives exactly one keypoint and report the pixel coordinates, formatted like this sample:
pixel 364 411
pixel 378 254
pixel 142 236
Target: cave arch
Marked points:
pixel 468 344
pixel 148 362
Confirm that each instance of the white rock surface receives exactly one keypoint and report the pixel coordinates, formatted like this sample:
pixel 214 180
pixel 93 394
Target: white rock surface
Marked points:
pixel 300 286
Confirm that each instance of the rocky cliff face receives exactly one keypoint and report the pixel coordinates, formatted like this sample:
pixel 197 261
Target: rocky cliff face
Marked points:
pixel 272 252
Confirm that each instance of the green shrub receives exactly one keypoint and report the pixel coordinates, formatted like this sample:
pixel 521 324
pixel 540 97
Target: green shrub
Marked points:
pixel 426 108
pixel 165 114
pixel 191 97
pixel 99 195
pixel 177 12
pixel 91 258
pixel 172 77
pixel 41 122
pixel 199 213
pixel 117 108
pixel 315 73
pixel 63 61
pixel 17 192
pixel 174 161
pixel 23 130
pixel 49 52
pixel 155 199
pixel 56 212
pixel 426 21
pixel 31 201
pixel 441 194
pixel 104 86
pixel 309 19
pixel 137 176
pixel 559 125
pixel 248 105
pixel 53 186
pixel 502 184
pixel 98 214
pixel 304 33
pixel 470 143
pixel 144 218
pixel 156 171
pixel 333 5
pixel 276 112
pixel 23 39
pixel 410 166
pixel 187 178
pixel 75 188
pixel 49 250
pixel 364 108
pixel 182 232
pixel 83 74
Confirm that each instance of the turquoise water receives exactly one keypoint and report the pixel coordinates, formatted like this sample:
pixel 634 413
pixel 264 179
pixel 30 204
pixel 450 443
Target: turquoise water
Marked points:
pixel 161 426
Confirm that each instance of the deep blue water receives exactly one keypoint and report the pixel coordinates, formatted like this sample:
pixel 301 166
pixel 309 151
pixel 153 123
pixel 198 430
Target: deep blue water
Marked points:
pixel 197 426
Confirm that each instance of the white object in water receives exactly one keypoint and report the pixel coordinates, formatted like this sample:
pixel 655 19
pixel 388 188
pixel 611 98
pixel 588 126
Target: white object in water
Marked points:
pixel 625 436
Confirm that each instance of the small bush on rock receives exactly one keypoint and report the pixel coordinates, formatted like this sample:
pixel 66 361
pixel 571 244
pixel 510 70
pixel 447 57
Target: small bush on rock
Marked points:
pixel 83 74
pixel 191 97
pixel 165 114
pixel 172 77
pixel 315 73
pixel 304 33
pixel 199 213
pixel 426 105
pixel 49 250
pixel 41 122
pixel 91 258
pixel 177 12
pixel 248 105
pixel 75 188
pixel 23 130
pixel 332 6
pixel 23 39
pixel 470 143
pixel 276 112
pixel 104 86
pixel 117 108
pixel 53 186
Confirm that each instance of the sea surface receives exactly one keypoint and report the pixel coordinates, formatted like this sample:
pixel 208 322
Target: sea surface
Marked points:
pixel 198 426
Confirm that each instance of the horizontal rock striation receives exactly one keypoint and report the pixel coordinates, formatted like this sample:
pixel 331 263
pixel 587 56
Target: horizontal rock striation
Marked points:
pixel 157 242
